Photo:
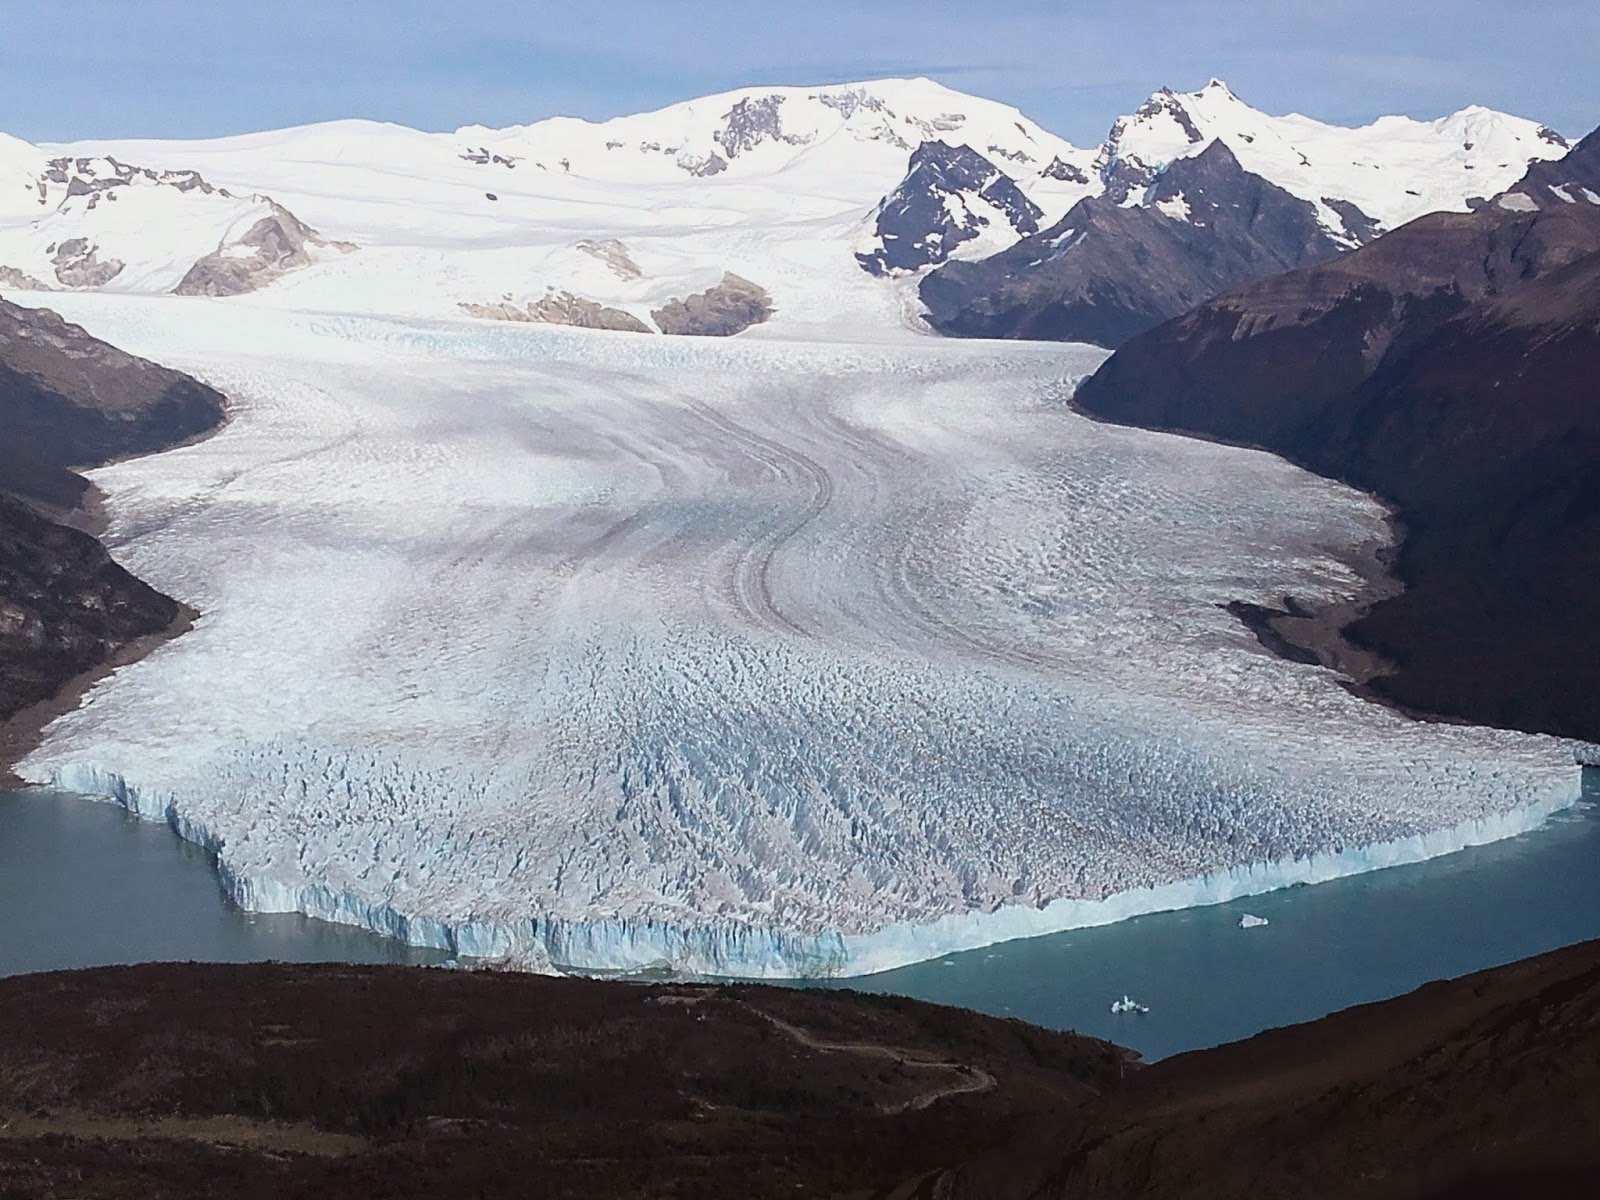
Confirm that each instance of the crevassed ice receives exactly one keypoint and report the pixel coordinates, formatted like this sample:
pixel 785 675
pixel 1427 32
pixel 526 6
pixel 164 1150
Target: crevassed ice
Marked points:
pixel 753 659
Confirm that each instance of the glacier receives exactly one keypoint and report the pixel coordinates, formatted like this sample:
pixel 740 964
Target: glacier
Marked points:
pixel 738 658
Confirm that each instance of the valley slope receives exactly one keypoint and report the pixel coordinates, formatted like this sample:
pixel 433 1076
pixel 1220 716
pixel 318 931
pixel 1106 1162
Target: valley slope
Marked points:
pixel 1449 367
pixel 66 608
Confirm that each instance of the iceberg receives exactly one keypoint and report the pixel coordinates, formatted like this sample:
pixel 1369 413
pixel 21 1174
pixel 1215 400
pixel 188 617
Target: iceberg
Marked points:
pixel 1128 1005
pixel 1250 921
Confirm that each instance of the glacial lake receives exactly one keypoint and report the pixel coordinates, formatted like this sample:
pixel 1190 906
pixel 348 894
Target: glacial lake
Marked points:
pixel 84 884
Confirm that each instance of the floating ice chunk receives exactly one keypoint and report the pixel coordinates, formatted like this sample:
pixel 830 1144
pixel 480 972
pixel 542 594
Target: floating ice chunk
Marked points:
pixel 1128 1005
pixel 1251 921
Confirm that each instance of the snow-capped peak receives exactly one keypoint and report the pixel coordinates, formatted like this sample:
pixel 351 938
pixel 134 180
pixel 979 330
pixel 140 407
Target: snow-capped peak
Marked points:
pixel 758 131
pixel 1362 180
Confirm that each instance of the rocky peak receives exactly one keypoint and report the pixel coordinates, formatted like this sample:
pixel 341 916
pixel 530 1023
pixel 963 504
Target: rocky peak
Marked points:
pixel 72 177
pixel 752 121
pixel 1574 179
pixel 950 195
pixel 1139 145
pixel 275 245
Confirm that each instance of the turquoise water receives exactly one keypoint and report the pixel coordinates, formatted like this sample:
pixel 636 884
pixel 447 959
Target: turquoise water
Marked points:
pixel 83 884
pixel 1348 941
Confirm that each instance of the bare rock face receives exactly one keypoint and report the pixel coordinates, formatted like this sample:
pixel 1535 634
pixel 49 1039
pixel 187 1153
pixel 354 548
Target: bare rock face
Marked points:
pixel 949 196
pixel 12 277
pixel 1106 272
pixel 703 168
pixel 752 121
pixel 615 255
pixel 68 399
pixel 561 308
pixel 78 265
pixel 730 307
pixel 1060 169
pixel 272 247
pixel 65 606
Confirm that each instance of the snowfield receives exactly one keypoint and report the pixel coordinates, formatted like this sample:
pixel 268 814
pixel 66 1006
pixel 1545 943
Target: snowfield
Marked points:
pixel 751 658
pixel 778 185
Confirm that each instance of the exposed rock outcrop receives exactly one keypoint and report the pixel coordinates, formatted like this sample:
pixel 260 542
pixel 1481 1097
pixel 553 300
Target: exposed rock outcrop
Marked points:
pixel 1107 271
pixel 1449 367
pixel 77 264
pixel 729 307
pixel 275 245
pixel 12 277
pixel 64 606
pixel 69 400
pixel 950 195
pixel 561 308
pixel 615 255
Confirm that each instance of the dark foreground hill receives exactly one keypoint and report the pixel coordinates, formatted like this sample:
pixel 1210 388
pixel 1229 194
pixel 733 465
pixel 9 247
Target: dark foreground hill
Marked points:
pixel 1483 1086
pixel 331 1081
pixel 1453 368
pixel 69 400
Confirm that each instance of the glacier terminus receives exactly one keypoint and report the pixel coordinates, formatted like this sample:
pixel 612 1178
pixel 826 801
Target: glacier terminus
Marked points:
pixel 751 657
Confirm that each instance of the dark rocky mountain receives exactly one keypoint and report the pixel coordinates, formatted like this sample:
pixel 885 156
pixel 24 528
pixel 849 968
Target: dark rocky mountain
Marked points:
pixel 69 400
pixel 1107 271
pixel 65 607
pixel 950 195
pixel 1450 368
pixel 283 1081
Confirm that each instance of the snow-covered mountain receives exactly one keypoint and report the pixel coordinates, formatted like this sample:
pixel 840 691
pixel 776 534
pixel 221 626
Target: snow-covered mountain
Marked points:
pixel 1199 191
pixel 97 222
pixel 781 187
pixel 1361 181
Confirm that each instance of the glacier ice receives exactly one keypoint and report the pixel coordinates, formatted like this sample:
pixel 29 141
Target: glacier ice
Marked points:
pixel 752 659
pixel 1251 921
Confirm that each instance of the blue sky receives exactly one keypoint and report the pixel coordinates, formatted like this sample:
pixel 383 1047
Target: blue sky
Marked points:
pixel 187 68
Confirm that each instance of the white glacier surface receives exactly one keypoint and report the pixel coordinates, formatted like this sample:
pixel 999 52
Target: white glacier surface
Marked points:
pixel 737 658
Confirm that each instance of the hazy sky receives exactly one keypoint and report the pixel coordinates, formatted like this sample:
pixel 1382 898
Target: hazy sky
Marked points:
pixel 83 68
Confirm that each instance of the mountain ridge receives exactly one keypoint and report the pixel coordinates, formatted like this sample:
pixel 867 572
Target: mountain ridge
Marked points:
pixel 777 185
